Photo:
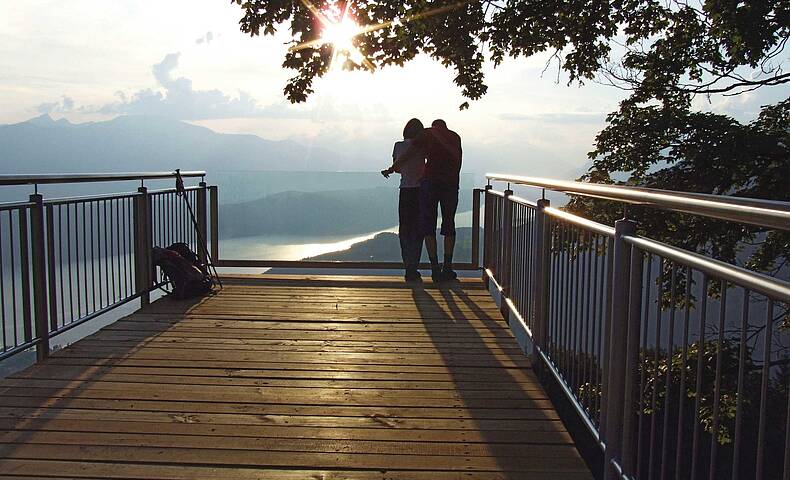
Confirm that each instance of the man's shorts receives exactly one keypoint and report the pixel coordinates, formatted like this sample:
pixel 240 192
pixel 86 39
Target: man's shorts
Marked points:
pixel 433 195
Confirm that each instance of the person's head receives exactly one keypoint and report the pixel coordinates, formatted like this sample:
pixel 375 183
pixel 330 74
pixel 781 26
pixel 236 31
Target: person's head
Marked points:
pixel 439 123
pixel 413 128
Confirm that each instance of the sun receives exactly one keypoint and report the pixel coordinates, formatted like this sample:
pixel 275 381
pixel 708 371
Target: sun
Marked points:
pixel 338 29
pixel 341 36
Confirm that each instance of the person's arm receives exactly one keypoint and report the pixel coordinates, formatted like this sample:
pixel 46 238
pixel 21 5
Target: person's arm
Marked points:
pixel 414 151
pixel 388 171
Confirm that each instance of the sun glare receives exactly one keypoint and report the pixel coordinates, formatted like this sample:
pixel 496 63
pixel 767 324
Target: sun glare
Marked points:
pixel 341 36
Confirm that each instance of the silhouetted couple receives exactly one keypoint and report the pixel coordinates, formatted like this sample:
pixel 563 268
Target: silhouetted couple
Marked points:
pixel 429 161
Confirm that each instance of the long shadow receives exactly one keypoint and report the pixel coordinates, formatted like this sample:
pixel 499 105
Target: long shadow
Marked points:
pixel 508 366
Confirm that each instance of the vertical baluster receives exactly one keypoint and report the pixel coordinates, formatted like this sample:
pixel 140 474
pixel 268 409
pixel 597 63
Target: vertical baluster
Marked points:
pixel 3 315
pixel 93 264
pixel 587 336
pixel 120 279
pixel 595 360
pixel 786 475
pixel 574 323
pixel 108 269
pixel 562 321
pixel 12 262
pixel 553 228
pixel 714 441
pixel 96 260
pixel 695 443
pixel 51 268
pixel 766 373
pixel 656 366
pixel 130 245
pixel 85 257
pixel 214 225
pixel 643 368
pixel 60 266
pixel 24 268
pixel 668 383
pixel 679 449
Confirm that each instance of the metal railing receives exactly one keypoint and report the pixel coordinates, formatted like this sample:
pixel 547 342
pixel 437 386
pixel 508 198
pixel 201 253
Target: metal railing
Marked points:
pixel 473 264
pixel 65 261
pixel 677 364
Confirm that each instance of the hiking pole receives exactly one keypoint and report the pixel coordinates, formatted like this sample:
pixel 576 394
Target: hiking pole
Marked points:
pixel 181 192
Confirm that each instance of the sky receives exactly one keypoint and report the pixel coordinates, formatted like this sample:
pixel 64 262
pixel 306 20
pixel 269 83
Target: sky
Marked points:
pixel 89 60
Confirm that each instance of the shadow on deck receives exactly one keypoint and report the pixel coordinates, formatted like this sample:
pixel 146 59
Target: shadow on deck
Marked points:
pixel 292 377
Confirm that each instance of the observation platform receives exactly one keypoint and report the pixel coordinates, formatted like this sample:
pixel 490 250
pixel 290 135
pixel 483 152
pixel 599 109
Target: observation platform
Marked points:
pixel 292 377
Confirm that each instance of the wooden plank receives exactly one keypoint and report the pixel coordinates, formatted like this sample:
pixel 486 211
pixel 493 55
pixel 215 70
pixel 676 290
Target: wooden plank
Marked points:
pixel 90 470
pixel 269 409
pixel 80 370
pixel 292 417
pixel 298 460
pixel 101 424
pixel 285 444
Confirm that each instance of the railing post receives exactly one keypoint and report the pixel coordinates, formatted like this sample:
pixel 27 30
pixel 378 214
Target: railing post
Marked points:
pixel 616 345
pixel 201 221
pixel 488 232
pixel 476 227
pixel 39 254
pixel 503 277
pixel 630 400
pixel 213 213
pixel 541 283
pixel 142 245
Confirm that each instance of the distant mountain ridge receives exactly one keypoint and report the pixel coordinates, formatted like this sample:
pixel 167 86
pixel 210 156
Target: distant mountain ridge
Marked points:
pixel 145 143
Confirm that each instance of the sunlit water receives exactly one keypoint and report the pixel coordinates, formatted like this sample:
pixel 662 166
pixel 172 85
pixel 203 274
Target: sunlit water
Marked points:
pixel 298 247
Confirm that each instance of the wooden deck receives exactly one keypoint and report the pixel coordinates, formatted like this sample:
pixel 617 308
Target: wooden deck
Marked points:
pixel 291 378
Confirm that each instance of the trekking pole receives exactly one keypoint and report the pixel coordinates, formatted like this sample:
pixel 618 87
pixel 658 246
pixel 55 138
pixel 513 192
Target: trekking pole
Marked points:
pixel 181 192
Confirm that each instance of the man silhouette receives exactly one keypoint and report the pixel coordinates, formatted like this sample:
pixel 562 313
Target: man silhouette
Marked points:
pixel 438 189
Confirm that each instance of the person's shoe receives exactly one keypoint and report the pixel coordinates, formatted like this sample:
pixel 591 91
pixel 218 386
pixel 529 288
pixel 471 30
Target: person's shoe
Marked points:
pixel 413 276
pixel 436 275
pixel 449 275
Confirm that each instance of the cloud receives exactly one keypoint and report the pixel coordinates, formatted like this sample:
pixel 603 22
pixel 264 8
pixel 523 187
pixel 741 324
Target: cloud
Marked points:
pixel 177 98
pixel 207 38
pixel 65 105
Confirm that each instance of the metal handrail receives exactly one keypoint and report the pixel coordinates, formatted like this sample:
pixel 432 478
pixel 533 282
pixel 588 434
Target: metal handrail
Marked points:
pixel 752 211
pixel 757 282
pixel 92 177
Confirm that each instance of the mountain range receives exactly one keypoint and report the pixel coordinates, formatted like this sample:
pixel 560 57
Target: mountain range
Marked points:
pixel 146 143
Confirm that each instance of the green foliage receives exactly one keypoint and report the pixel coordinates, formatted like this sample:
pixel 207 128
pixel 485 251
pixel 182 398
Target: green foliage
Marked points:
pixel 676 149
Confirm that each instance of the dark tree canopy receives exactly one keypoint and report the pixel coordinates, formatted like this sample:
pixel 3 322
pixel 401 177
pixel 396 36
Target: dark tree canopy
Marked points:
pixel 663 52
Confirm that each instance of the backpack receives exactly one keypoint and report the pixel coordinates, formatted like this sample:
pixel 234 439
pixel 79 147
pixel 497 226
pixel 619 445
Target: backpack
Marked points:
pixel 184 271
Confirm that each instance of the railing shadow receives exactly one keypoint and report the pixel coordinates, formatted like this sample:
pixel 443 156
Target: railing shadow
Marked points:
pixel 531 449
